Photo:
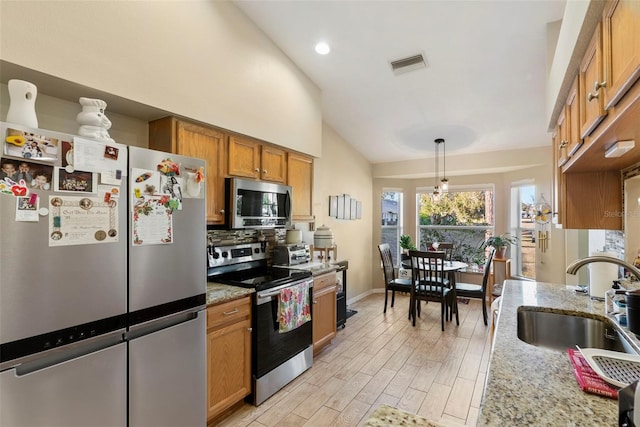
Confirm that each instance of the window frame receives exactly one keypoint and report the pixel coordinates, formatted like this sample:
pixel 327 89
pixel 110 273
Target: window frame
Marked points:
pixel 488 229
pixel 395 249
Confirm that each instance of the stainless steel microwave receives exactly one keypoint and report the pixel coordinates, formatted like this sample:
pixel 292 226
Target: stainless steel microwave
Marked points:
pixel 257 204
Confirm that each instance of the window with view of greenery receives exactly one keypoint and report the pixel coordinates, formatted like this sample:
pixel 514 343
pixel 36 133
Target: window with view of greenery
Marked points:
pixel 391 205
pixel 464 217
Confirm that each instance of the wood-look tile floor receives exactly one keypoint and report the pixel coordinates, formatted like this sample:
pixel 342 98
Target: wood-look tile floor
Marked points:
pixel 381 358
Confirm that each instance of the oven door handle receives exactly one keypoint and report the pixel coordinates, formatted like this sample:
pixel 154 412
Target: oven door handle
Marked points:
pixel 266 295
pixel 269 294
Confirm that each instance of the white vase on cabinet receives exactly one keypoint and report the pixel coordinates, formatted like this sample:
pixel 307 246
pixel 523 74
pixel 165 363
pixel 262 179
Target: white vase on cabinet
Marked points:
pixel 22 104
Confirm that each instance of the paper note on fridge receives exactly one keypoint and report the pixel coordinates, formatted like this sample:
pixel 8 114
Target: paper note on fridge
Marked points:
pixel 95 156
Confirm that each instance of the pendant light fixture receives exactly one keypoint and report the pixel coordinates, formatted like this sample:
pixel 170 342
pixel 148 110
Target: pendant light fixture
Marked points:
pixel 436 176
pixel 440 185
pixel 444 182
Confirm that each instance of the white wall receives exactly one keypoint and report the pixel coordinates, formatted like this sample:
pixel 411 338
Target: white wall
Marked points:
pixel 199 59
pixel 342 170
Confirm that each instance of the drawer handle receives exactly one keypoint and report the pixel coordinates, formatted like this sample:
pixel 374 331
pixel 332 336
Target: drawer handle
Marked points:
pixel 264 171
pixel 257 170
pixel 228 313
pixel 563 143
pixel 315 301
pixel 591 96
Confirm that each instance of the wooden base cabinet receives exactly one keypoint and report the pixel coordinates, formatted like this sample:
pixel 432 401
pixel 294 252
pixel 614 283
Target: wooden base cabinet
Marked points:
pixel 228 355
pixel 324 310
pixel 176 136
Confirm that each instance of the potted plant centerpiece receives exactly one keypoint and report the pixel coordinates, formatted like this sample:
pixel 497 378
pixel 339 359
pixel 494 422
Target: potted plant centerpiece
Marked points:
pixel 500 244
pixel 406 244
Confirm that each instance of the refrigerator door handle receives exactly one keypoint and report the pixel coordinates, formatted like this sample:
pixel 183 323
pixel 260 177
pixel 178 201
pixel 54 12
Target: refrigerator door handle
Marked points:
pixel 47 359
pixel 168 321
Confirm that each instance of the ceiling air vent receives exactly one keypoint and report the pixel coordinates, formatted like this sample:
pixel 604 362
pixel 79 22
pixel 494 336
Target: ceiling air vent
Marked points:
pixel 410 63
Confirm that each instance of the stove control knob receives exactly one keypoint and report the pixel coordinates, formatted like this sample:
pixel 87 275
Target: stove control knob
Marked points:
pixel 225 254
pixel 256 250
pixel 216 255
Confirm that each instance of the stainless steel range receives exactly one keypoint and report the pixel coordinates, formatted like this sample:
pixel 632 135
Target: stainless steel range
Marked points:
pixel 277 357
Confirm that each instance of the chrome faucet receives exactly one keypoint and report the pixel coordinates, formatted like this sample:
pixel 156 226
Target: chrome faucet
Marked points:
pixel 574 266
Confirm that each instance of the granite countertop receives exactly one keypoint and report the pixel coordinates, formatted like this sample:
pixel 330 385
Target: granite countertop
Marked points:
pixel 316 268
pixel 528 385
pixel 218 293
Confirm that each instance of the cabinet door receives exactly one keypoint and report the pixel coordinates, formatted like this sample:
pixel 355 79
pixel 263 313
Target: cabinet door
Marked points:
pixel 244 157
pixel 228 366
pixel 300 178
pixel 274 164
pixel 562 132
pixel 324 311
pixel 558 181
pixel 208 144
pixel 590 76
pixel 593 200
pixel 621 44
pixel 573 120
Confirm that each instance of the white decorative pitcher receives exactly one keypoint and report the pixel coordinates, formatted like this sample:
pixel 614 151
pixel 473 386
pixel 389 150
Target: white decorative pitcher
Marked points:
pixel 22 106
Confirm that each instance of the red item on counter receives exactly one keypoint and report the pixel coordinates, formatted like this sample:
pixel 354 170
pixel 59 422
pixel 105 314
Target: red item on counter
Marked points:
pixel 588 380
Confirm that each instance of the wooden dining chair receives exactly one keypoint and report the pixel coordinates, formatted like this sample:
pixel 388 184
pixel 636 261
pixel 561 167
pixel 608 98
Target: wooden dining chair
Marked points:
pixel 391 282
pixel 471 290
pixel 428 276
pixel 446 247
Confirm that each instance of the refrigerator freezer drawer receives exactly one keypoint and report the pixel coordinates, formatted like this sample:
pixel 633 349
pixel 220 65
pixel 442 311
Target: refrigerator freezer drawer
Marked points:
pixel 86 391
pixel 167 376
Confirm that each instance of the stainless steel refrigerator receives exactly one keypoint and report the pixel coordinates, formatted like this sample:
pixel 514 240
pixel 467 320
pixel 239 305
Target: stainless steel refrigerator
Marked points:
pixel 108 334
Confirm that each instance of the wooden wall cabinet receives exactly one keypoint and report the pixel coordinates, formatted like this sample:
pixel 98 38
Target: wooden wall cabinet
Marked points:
pixel 251 159
pixel 324 310
pixel 587 185
pixel 176 136
pixel 300 178
pixel 621 45
pixel 228 355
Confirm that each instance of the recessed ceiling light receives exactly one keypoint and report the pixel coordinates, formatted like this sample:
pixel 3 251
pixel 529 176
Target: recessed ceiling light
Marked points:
pixel 322 48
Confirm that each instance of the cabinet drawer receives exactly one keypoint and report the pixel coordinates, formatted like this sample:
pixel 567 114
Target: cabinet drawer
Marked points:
pixel 231 311
pixel 324 281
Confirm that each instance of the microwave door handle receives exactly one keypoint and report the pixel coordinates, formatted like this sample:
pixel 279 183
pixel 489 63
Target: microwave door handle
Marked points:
pixel 288 204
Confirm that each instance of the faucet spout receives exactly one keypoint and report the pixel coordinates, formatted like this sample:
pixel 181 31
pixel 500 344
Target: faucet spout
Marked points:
pixel 575 266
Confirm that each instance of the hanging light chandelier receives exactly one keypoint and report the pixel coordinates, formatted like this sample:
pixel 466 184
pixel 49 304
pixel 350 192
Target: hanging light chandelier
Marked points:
pixel 440 185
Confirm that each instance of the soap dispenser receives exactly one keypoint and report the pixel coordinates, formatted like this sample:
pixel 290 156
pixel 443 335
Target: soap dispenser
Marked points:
pixel 610 297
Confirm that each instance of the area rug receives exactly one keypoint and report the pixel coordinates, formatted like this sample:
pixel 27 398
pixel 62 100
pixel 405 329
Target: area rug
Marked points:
pixel 463 300
pixel 387 416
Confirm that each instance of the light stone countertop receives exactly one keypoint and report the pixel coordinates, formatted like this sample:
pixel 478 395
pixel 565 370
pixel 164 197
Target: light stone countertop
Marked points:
pixel 316 268
pixel 218 293
pixel 528 385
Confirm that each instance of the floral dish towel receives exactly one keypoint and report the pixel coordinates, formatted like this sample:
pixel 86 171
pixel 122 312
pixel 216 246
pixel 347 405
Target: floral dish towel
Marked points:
pixel 293 307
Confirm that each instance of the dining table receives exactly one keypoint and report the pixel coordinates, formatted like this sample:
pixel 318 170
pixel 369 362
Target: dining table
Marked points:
pixel 450 267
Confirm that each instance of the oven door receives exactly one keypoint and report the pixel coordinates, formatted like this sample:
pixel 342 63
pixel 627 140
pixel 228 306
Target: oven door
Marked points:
pixel 272 348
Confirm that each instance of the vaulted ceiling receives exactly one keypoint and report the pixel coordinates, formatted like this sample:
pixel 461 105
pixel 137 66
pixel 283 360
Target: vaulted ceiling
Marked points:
pixel 482 89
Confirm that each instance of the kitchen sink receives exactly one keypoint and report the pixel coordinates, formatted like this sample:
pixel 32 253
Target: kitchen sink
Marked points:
pixel 560 330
